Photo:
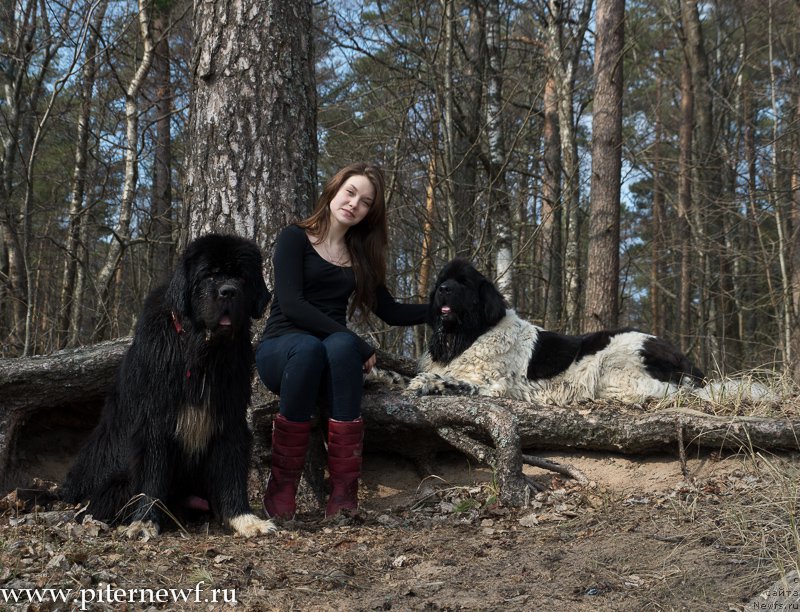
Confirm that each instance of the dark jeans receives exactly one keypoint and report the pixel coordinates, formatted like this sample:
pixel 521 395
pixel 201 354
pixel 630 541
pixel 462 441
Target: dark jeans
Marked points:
pixel 298 367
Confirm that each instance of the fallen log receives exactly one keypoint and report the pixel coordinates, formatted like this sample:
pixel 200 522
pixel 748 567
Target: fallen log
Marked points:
pixel 66 381
pixel 489 430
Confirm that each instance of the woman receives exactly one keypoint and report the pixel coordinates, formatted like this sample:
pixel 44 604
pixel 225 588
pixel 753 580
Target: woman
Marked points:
pixel 307 350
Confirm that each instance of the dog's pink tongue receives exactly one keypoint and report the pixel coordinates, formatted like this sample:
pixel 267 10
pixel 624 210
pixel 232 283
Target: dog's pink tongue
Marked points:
pixel 445 310
pixel 225 321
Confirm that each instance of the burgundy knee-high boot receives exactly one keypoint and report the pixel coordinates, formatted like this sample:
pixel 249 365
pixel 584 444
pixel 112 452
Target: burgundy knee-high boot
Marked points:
pixel 345 443
pixel 289 446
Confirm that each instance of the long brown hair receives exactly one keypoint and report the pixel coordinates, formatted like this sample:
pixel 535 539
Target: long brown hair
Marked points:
pixel 366 241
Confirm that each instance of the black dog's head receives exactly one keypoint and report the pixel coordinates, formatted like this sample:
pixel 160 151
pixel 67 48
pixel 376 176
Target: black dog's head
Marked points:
pixel 463 305
pixel 218 285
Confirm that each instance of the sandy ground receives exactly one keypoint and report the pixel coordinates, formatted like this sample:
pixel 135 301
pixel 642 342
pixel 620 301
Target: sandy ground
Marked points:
pixel 637 537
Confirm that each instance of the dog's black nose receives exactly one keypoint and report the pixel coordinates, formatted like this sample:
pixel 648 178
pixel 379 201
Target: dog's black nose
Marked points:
pixel 228 291
pixel 446 287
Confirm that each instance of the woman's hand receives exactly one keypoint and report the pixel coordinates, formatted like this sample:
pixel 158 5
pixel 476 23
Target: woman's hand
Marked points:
pixel 370 363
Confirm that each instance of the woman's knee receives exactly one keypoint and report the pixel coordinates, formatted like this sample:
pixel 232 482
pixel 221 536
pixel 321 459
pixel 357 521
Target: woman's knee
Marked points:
pixel 276 357
pixel 308 349
pixel 342 345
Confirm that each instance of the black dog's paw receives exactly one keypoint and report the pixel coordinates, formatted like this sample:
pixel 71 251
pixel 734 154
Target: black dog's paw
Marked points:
pixel 140 530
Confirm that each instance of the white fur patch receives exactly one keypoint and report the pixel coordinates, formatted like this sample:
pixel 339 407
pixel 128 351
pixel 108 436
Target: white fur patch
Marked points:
pixel 496 365
pixel 140 530
pixel 194 428
pixel 732 389
pixel 249 525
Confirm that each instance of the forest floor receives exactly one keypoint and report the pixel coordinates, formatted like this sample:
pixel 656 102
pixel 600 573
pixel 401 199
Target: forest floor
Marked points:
pixel 639 536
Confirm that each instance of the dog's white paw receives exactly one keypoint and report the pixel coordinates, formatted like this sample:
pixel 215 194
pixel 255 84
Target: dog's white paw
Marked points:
pixel 424 384
pixel 140 530
pixel 249 525
pixel 388 378
pixel 433 384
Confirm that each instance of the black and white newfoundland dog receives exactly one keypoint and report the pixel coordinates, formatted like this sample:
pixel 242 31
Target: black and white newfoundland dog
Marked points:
pixel 173 431
pixel 479 346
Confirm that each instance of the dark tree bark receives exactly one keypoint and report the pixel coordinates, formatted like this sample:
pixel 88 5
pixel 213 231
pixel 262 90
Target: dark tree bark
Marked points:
pixel 461 125
pixel 794 253
pixel 64 381
pixel 602 279
pixel 716 305
pixel 685 234
pixel 252 167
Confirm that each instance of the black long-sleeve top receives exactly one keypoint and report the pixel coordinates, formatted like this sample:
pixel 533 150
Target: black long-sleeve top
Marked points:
pixel 311 294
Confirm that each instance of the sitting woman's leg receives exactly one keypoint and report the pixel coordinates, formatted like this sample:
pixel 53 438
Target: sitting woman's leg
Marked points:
pixel 344 383
pixel 291 366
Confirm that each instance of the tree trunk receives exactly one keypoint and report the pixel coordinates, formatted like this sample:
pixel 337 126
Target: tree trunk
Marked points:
pixel 564 44
pixel 107 278
pixel 779 202
pixel 75 249
pixel 426 258
pixel 794 246
pixel 685 234
pixel 253 118
pixel 551 211
pixel 709 211
pixel 602 278
pixel 657 246
pixel 19 40
pixel 67 380
pixel 161 247
pixel 499 207
pixel 463 108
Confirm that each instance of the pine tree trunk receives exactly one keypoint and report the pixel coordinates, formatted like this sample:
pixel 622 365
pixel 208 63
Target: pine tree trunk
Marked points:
pixel 794 246
pixel 685 206
pixel 551 226
pixel 657 224
pixel 602 278
pixel 252 166
pixel 715 306
pixel 564 44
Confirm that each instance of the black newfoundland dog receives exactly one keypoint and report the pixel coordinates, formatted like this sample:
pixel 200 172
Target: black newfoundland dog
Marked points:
pixel 173 431
pixel 480 347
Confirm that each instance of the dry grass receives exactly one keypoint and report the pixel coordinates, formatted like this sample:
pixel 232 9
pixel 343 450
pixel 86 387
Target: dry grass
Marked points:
pixel 765 393
pixel 752 517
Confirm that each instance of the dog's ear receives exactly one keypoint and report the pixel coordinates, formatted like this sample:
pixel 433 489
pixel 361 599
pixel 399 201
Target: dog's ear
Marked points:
pixel 178 290
pixel 492 303
pixel 259 296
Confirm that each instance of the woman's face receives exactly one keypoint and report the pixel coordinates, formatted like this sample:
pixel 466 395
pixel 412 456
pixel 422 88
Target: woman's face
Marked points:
pixel 352 202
